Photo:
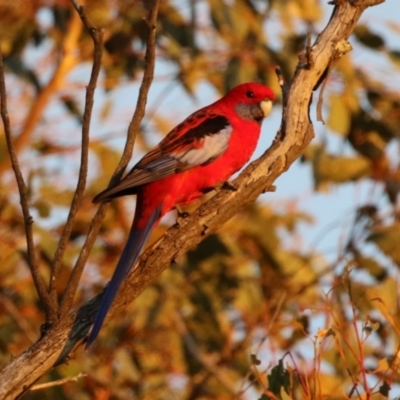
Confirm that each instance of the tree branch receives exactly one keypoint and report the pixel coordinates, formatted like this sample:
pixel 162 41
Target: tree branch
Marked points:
pixel 59 382
pixel 97 37
pixel 66 63
pixel 295 134
pixel 28 220
pixel 149 61
pixel 133 128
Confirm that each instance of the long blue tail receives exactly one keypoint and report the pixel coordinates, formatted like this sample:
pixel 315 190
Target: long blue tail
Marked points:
pixel 136 240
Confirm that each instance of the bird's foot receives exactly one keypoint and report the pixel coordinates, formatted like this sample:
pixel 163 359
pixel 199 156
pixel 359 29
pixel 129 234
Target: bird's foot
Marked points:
pixel 229 186
pixel 226 185
pixel 181 215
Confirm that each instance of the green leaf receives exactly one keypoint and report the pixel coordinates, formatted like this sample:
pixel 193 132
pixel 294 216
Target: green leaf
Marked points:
pixel 239 71
pixel 42 208
pixel 368 135
pixel 387 238
pixel 278 379
pixel 373 267
pixel 73 107
pixel 384 389
pixel 394 55
pixel 368 38
pixel 328 168
pixel 254 360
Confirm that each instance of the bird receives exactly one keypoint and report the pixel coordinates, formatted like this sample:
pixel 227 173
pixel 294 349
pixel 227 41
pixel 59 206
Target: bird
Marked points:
pixel 199 154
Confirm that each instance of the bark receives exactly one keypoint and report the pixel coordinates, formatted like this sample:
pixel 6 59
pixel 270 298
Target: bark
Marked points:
pixel 295 134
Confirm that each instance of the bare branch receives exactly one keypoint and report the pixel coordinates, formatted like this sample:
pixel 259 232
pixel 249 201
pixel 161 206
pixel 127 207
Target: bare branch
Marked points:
pixel 97 37
pixel 28 220
pixel 320 102
pixel 148 74
pixel 133 127
pixel 67 62
pixel 88 25
pixel 59 382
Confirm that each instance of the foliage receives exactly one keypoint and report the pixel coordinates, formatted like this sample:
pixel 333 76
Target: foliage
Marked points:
pixel 251 311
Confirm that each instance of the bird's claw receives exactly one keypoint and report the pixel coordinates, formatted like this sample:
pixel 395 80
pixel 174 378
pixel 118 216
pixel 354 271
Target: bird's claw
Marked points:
pixel 229 186
pixel 181 215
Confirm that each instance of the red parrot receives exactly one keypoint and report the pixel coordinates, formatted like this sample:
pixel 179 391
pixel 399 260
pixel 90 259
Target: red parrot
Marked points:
pixel 201 152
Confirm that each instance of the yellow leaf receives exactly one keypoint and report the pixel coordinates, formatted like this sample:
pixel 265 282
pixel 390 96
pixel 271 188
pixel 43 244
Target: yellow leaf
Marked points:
pixel 383 366
pixel 284 395
pixel 339 115
pixel 383 309
pixel 322 333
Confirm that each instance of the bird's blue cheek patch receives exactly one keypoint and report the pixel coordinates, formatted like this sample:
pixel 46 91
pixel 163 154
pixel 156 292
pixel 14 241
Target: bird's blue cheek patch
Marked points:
pixel 249 112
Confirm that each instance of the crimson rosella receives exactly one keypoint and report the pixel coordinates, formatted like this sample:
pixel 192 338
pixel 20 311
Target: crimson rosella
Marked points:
pixel 198 154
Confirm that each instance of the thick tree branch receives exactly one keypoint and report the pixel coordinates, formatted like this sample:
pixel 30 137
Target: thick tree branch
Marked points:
pixel 296 133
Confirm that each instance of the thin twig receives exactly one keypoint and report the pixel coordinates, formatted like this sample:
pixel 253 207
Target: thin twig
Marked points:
pixel 285 91
pixel 282 84
pixel 148 75
pixel 65 64
pixel 320 102
pixel 86 22
pixel 58 382
pixel 133 128
pixel 28 220
pixel 97 37
pixel 358 339
pixel 341 48
pixel 272 320
pixel 76 274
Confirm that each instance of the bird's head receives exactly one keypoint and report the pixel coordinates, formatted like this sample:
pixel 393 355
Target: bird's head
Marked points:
pixel 251 101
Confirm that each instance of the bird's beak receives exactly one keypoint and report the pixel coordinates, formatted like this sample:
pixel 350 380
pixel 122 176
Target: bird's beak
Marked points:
pixel 266 107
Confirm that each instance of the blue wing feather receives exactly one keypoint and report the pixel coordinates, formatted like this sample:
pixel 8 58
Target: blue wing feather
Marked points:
pixel 130 254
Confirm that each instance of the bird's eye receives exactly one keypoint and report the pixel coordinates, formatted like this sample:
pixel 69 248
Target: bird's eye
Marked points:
pixel 250 94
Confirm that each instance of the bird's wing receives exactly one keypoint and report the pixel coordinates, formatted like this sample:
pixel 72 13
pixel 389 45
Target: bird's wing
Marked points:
pixel 199 140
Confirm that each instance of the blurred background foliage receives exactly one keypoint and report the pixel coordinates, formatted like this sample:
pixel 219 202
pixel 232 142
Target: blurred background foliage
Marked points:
pixel 253 312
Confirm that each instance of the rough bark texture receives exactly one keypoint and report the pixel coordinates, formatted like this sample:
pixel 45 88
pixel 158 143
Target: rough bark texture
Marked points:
pixel 295 134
